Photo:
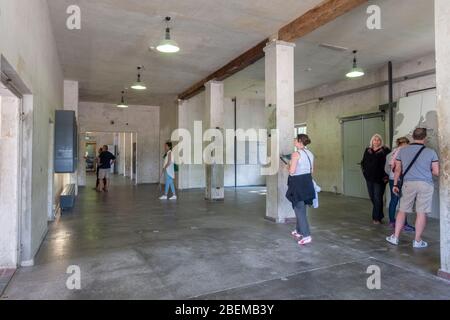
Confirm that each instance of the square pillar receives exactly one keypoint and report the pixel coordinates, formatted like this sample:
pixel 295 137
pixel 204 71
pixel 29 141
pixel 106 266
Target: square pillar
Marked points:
pixel 214 119
pixel 442 13
pixel 280 116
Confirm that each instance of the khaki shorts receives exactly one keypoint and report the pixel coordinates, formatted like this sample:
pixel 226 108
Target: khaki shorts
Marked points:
pixel 418 192
pixel 104 174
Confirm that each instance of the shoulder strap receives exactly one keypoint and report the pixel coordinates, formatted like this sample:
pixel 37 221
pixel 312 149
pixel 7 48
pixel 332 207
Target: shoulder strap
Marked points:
pixel 414 160
pixel 309 159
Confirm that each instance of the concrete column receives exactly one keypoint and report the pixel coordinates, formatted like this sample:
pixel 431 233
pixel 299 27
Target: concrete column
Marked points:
pixel 280 115
pixel 71 99
pixel 214 119
pixel 122 153
pixel 133 160
pixel 183 173
pixel 442 14
pixel 128 156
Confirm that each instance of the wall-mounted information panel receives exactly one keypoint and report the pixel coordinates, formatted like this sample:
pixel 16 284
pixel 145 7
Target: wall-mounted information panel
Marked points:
pixel 66 142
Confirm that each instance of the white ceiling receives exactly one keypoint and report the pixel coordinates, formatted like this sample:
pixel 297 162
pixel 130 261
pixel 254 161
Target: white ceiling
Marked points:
pixel 115 36
pixel 407 33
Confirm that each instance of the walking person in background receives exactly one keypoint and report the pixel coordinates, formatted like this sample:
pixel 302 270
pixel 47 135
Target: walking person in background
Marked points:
pixel 372 165
pixel 106 159
pixel 390 169
pixel 415 167
pixel 97 162
pixel 169 171
pixel 301 191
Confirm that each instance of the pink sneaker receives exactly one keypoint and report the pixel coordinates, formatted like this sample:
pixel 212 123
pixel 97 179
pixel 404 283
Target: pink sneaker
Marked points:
pixel 296 235
pixel 305 241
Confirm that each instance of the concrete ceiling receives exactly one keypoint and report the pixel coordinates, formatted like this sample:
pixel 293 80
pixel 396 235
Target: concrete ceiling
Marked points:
pixel 407 33
pixel 115 36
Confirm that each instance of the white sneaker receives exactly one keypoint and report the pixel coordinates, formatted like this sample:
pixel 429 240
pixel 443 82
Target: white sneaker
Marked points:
pixel 305 241
pixel 392 240
pixel 173 198
pixel 419 245
pixel 163 198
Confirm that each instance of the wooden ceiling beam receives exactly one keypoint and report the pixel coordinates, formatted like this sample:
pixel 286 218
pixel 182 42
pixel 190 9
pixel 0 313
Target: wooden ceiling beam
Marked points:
pixel 317 17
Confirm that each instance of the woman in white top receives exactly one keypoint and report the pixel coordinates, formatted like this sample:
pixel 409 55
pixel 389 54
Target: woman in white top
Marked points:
pixel 169 171
pixel 301 190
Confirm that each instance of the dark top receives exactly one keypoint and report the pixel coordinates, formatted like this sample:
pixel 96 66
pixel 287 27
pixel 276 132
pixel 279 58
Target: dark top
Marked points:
pixel 373 164
pixel 301 188
pixel 105 160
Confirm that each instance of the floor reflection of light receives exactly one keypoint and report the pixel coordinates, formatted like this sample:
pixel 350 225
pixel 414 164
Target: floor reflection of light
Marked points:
pixel 62 241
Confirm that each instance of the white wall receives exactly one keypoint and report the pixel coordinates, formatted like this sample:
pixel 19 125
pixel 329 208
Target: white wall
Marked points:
pixel 27 43
pixel 322 118
pixel 191 176
pixel 250 114
pixel 144 120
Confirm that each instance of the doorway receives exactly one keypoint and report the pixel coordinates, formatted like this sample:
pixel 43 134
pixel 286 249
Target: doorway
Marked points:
pixel 357 132
pixel 91 155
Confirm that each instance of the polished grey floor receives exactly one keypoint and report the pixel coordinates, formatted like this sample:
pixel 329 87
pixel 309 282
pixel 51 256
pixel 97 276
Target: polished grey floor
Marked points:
pixel 129 245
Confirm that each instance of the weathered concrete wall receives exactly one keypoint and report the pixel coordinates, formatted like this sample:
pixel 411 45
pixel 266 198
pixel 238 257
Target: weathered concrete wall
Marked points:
pixel 443 105
pixel 9 156
pixel 102 138
pixel 322 118
pixel 27 43
pixel 144 120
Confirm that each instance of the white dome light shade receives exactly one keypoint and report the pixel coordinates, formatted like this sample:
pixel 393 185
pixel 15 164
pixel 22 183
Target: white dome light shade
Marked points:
pixel 122 102
pixel 139 85
pixel 168 46
pixel 355 72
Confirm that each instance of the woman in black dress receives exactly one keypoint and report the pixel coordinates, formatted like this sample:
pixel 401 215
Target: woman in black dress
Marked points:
pixel 372 165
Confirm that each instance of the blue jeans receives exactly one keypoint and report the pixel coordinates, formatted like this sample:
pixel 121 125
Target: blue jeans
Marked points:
pixel 169 183
pixel 376 193
pixel 302 219
pixel 393 204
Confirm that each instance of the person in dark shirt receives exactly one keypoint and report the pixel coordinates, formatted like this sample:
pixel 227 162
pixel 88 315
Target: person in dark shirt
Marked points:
pixel 372 165
pixel 105 160
pixel 98 169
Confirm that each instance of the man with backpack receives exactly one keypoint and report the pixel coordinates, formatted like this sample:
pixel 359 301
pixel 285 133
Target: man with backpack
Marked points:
pixel 413 182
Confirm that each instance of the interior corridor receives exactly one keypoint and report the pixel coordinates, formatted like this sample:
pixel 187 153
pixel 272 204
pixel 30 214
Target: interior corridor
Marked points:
pixel 130 245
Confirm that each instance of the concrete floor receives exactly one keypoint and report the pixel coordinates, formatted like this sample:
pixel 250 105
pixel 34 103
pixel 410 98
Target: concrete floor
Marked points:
pixel 129 245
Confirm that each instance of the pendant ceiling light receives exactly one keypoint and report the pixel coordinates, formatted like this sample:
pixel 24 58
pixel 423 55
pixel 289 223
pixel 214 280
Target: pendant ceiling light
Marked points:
pixel 168 45
pixel 355 72
pixel 139 85
pixel 122 102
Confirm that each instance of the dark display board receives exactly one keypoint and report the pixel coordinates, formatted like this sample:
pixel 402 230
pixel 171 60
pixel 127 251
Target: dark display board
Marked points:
pixel 66 142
